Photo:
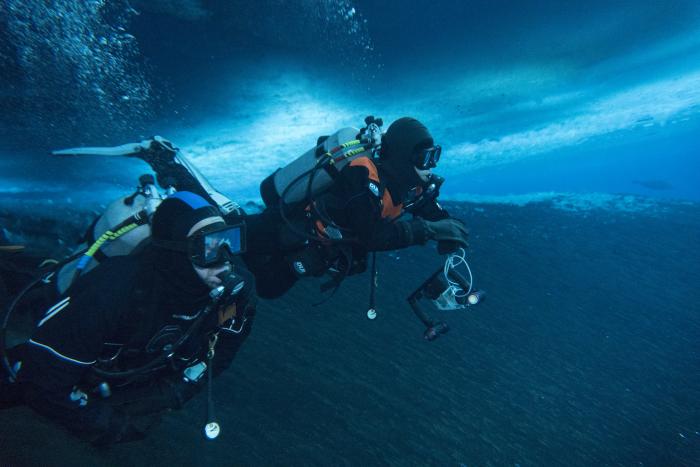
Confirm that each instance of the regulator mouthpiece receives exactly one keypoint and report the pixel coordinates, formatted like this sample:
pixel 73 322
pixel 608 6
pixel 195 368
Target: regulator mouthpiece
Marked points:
pixel 231 285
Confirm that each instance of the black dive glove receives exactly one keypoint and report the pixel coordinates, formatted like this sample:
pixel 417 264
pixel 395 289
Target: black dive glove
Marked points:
pixel 103 425
pixel 163 395
pixel 450 234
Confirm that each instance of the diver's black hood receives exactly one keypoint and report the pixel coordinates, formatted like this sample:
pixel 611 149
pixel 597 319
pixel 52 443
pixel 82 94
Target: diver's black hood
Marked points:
pixel 396 158
pixel 182 289
pixel 172 221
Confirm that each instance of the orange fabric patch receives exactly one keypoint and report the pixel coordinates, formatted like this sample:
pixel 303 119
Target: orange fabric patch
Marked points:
pixel 369 165
pixel 389 209
pixel 226 314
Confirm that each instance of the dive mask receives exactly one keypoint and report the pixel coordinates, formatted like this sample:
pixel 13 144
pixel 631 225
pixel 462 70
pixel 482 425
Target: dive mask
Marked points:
pixel 427 158
pixel 210 246
pixel 214 246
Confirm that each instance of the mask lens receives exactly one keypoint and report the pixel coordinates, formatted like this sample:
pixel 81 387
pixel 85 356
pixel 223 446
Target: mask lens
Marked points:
pixel 215 241
pixel 216 247
pixel 428 158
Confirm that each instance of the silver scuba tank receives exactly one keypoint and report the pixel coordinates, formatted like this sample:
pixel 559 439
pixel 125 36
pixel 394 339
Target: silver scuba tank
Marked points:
pixel 173 170
pixel 290 183
pixel 147 198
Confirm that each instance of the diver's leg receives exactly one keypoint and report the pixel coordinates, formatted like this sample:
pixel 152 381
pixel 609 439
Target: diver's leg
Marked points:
pixel 273 276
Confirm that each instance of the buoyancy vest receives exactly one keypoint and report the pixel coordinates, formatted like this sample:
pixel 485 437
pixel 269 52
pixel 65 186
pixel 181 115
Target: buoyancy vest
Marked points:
pixel 389 210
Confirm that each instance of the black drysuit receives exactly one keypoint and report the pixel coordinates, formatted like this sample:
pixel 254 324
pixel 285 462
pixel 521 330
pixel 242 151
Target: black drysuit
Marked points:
pixel 139 302
pixel 355 203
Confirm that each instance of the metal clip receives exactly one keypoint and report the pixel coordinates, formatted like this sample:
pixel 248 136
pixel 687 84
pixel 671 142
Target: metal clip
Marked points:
pixel 212 343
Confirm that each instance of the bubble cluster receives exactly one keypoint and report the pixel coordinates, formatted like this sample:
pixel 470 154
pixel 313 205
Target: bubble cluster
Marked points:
pixel 71 71
pixel 348 31
pixel 334 32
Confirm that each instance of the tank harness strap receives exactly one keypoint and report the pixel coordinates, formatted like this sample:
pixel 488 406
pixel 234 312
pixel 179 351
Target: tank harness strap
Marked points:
pixel 332 171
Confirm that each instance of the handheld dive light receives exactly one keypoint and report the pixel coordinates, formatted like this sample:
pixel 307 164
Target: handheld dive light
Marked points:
pixel 449 290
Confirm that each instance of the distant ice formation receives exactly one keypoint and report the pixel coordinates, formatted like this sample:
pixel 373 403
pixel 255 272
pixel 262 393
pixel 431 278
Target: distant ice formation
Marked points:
pixel 575 202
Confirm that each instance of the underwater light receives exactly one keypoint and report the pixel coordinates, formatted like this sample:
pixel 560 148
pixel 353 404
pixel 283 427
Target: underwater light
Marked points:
pixel 475 297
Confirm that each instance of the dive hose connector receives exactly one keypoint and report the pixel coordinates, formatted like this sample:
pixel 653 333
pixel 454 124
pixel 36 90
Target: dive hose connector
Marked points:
pixel 372 133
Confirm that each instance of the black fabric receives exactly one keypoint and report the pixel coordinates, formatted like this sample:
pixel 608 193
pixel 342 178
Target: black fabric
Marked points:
pixel 172 221
pixel 273 274
pixel 268 191
pixel 174 218
pixel 103 307
pixel 451 234
pixel 354 208
pixel 399 146
pixel 175 273
pixel 361 213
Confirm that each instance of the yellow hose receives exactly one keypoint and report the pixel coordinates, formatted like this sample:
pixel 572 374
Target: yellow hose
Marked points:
pixel 109 236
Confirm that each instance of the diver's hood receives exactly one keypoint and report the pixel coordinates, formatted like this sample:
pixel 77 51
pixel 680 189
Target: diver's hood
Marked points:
pixel 399 145
pixel 172 221
pixel 177 280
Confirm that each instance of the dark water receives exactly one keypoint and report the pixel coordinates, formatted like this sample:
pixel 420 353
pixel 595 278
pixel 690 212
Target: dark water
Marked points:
pixel 585 353
pixel 586 349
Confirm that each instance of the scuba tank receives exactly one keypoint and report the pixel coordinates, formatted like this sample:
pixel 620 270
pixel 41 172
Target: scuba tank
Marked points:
pixel 312 173
pixel 122 228
pixel 125 224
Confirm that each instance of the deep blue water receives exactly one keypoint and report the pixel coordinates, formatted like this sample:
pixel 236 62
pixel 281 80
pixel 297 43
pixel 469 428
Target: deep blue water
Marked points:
pixel 571 130
pixel 584 353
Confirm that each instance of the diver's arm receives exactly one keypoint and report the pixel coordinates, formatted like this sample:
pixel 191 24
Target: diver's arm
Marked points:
pixel 62 350
pixel 173 391
pixel 262 231
pixel 432 211
pixel 430 222
pixel 363 212
pixel 386 235
pixel 96 421
pixel 57 397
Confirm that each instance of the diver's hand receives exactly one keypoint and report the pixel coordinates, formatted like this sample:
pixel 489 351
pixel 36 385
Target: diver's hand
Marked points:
pixel 113 426
pixel 450 234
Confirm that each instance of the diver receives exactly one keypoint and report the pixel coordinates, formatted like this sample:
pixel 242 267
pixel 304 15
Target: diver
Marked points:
pixel 137 335
pixel 306 231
